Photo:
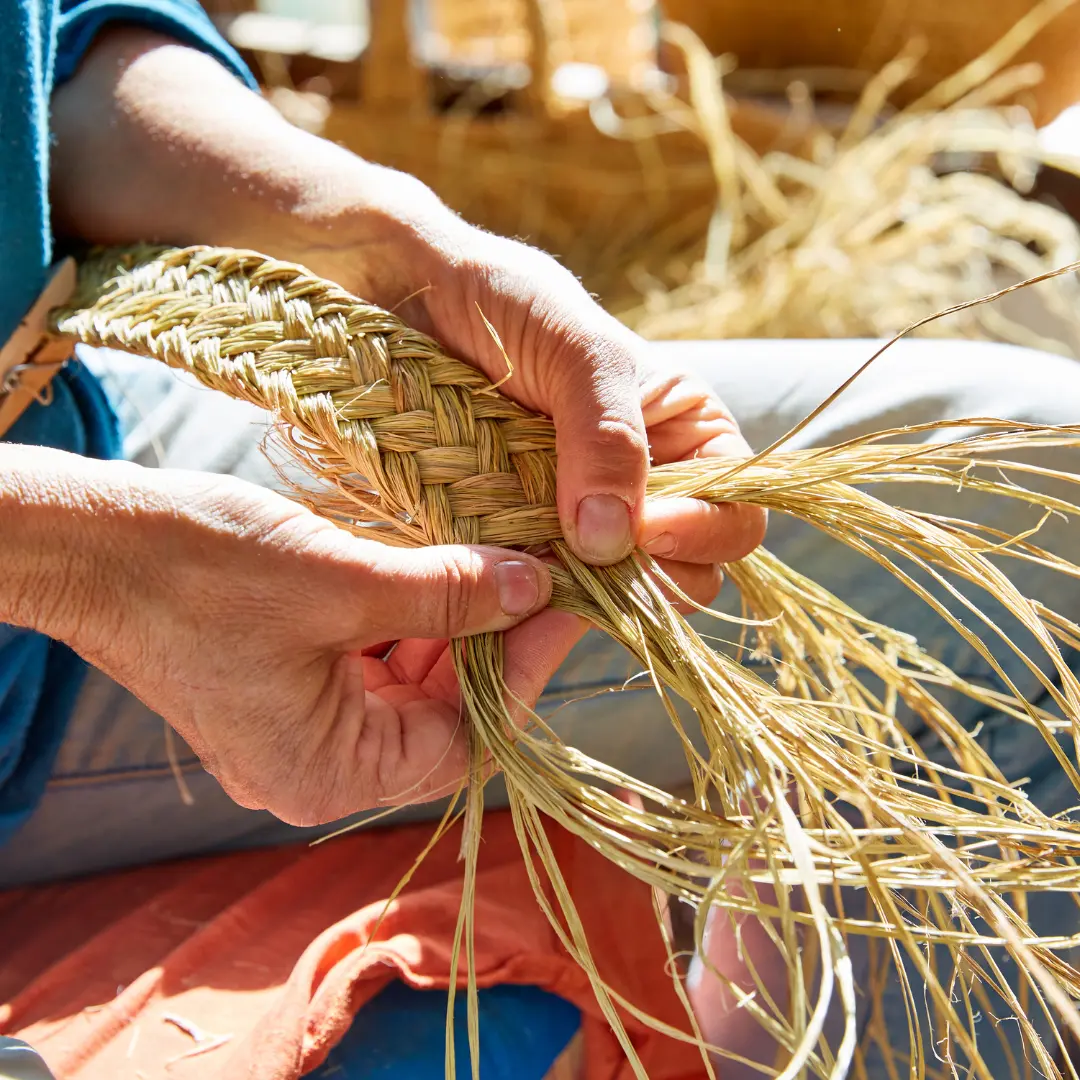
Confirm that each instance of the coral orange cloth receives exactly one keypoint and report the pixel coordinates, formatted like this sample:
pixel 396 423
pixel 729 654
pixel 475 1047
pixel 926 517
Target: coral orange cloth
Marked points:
pixel 265 956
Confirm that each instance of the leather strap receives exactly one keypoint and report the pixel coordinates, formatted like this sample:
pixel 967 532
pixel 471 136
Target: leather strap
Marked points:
pixel 32 355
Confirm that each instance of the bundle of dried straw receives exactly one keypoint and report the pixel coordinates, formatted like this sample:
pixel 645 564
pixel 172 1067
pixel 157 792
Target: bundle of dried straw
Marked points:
pixel 879 222
pixel 811 791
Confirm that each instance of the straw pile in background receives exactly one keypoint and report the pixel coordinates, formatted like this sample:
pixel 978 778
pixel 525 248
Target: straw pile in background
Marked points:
pixel 814 809
pixel 889 217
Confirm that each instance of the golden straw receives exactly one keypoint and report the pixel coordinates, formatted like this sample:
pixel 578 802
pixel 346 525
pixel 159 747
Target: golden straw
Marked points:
pixel 875 225
pixel 807 787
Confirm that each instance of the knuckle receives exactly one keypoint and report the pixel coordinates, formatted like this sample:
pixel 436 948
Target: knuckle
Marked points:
pixel 617 432
pixel 614 367
pixel 701 395
pixel 459 592
pixel 671 389
pixel 519 262
pixel 618 442
pixel 599 357
pixel 656 380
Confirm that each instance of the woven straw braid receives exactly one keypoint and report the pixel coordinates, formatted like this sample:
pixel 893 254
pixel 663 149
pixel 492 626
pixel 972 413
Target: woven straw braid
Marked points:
pixel 405 437
pixel 452 459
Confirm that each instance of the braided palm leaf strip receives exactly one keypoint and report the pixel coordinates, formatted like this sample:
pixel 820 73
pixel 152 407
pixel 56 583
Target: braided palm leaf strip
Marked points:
pixel 414 447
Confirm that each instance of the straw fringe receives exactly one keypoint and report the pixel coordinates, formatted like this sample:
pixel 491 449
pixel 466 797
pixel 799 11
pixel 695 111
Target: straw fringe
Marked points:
pixel 807 783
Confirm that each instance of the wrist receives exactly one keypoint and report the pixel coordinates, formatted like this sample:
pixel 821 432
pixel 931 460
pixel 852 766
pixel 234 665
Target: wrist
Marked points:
pixel 60 555
pixel 377 232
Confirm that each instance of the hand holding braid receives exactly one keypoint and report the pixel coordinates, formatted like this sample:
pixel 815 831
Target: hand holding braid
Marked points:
pixel 264 639
pixel 615 409
pixel 255 628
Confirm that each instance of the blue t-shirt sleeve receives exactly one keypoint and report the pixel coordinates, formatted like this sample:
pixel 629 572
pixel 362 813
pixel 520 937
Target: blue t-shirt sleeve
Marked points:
pixel 184 20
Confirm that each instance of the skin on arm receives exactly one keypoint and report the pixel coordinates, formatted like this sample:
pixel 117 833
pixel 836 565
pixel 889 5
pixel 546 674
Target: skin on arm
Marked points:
pixel 154 141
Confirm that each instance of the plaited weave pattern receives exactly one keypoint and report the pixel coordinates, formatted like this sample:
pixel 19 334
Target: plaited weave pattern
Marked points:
pixel 452 460
pixel 404 437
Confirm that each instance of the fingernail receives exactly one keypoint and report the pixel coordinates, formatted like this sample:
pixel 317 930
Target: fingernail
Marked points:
pixel 603 527
pixel 519 588
pixel 661 546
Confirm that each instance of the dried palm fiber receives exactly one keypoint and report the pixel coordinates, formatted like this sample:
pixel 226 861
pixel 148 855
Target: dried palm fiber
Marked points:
pixel 889 217
pixel 814 809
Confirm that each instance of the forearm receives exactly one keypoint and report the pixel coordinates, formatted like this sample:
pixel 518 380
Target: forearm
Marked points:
pixel 156 141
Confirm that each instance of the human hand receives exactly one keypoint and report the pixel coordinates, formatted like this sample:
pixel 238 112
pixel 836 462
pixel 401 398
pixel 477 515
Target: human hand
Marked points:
pixel 243 619
pixel 616 408
pixel 252 180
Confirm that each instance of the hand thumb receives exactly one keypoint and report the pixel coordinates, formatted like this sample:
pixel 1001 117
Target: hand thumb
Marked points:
pixel 603 452
pixel 452 591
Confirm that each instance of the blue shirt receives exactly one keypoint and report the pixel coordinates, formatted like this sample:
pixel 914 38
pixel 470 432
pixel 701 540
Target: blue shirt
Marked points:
pixel 41 44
